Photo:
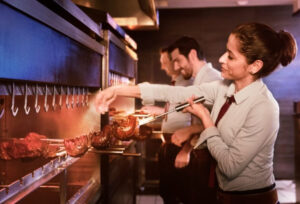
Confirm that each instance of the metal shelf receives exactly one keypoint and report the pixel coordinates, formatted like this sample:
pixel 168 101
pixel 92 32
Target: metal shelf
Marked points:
pixel 15 191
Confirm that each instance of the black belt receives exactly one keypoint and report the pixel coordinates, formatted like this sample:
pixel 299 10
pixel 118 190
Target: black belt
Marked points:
pixel 259 190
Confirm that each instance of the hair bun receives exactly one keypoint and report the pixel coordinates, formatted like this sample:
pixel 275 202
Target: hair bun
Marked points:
pixel 288 48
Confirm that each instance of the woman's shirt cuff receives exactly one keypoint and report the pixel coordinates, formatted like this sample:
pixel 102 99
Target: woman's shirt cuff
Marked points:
pixel 206 134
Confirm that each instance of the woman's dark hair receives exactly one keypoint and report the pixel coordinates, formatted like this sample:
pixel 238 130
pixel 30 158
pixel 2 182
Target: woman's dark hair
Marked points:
pixel 261 42
pixel 185 44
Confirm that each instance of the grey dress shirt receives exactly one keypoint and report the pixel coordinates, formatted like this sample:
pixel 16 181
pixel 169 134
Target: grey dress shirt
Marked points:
pixel 177 120
pixel 243 142
pixel 206 74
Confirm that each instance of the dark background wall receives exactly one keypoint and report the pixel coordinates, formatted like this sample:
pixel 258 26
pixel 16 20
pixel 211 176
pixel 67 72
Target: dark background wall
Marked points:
pixel 211 27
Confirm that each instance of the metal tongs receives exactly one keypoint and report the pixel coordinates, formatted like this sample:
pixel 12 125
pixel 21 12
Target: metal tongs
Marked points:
pixel 178 108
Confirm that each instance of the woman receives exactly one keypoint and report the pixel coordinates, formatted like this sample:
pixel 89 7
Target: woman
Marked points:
pixel 242 139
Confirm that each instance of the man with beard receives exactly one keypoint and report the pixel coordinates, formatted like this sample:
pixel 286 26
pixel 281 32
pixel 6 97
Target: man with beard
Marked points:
pixel 184 172
pixel 176 120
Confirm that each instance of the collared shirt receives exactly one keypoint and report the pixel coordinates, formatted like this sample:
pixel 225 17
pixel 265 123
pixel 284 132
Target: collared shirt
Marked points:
pixel 177 120
pixel 243 142
pixel 206 74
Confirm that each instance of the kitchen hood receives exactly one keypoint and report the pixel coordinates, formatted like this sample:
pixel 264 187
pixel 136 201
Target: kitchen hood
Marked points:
pixel 130 14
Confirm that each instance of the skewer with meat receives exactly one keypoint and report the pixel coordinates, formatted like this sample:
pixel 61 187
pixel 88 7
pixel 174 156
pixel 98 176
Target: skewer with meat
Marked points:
pixel 101 139
pixel 50 151
pixel 124 129
pixel 142 132
pixel 3 151
pixel 77 146
pixel 30 146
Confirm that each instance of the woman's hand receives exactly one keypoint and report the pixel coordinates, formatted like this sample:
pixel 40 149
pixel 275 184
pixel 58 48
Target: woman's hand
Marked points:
pixel 104 98
pixel 200 111
pixel 182 159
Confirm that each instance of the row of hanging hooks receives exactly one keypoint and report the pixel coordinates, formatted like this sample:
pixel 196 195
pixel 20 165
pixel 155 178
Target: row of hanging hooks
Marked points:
pixel 2 110
pixel 55 90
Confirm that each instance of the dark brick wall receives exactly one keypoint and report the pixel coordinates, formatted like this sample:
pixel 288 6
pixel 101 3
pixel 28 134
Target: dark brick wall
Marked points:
pixel 211 27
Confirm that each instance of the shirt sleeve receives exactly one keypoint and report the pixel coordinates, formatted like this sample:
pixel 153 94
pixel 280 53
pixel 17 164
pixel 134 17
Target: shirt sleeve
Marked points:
pixel 259 130
pixel 177 94
pixel 205 135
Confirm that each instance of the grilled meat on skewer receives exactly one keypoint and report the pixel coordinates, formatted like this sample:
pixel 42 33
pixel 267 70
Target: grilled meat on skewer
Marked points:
pixel 29 147
pixel 3 151
pixel 101 139
pixel 142 132
pixel 124 129
pixel 77 146
pixel 50 151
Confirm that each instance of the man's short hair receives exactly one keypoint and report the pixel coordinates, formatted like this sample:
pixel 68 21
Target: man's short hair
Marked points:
pixel 166 49
pixel 185 44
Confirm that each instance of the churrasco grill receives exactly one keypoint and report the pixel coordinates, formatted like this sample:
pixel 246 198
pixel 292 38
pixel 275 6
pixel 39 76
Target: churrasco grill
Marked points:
pixel 53 59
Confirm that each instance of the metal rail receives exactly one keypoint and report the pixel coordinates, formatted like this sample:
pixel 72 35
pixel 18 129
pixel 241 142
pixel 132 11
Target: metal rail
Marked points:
pixel 17 190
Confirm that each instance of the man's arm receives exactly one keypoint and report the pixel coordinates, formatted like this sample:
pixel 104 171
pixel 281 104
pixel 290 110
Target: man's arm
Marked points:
pixel 185 134
pixel 183 157
pixel 190 135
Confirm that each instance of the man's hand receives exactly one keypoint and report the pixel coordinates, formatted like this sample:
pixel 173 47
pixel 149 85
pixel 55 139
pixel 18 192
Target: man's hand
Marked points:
pixel 185 134
pixel 182 159
pixel 180 136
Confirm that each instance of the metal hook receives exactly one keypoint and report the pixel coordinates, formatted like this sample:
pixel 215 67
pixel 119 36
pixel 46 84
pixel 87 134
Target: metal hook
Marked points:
pixel 36 105
pixel 13 109
pixel 72 102
pixel 2 111
pixel 46 106
pixel 87 97
pixel 60 97
pixel 82 97
pixel 67 99
pixel 77 99
pixel 26 108
pixel 53 99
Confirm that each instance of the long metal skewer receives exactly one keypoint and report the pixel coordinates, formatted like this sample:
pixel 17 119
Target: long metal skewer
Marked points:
pixel 177 108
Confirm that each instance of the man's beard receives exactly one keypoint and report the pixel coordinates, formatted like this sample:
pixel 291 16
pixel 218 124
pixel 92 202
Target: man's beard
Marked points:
pixel 186 76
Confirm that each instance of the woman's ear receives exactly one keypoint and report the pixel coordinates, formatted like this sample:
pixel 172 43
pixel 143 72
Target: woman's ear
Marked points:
pixel 256 66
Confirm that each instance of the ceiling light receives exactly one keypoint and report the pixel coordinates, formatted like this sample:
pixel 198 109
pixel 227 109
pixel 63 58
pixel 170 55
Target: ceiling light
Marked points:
pixel 242 2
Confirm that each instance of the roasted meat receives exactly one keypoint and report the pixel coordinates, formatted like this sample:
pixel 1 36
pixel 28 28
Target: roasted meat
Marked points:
pixel 50 151
pixel 124 129
pixel 3 151
pixel 28 147
pixel 142 132
pixel 77 146
pixel 35 145
pixel 101 139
